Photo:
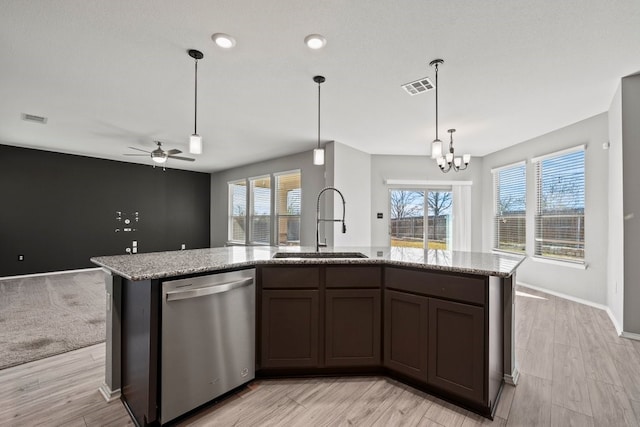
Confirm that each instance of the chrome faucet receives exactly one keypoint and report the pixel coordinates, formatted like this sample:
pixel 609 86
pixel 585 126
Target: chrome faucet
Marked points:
pixel 318 219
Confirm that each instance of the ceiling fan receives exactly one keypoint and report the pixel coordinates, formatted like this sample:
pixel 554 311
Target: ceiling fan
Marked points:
pixel 160 156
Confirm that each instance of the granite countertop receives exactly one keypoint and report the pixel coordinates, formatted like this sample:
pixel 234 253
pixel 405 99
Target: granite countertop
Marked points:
pixel 157 265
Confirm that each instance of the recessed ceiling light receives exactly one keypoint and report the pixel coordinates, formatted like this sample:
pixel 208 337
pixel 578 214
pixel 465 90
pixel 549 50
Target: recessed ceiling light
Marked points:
pixel 223 40
pixel 315 41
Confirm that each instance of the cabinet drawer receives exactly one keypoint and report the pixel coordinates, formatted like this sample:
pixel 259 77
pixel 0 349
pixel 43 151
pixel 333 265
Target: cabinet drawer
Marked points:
pixel 353 277
pixel 290 277
pixel 443 285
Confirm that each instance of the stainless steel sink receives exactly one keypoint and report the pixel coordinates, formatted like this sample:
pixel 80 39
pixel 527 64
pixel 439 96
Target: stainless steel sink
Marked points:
pixel 319 255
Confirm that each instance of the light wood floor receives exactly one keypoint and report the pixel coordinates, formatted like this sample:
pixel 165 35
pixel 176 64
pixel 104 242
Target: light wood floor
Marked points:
pixel 575 371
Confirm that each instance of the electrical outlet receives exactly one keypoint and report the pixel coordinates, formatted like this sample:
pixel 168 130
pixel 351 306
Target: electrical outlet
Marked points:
pixel 183 246
pixel 20 257
pixel 134 250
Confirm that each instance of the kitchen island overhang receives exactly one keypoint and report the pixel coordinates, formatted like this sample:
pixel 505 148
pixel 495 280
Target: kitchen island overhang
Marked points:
pixel 397 267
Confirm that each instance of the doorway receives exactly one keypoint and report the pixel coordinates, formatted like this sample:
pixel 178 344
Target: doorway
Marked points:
pixel 408 225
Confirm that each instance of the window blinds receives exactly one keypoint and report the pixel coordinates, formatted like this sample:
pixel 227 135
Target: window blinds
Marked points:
pixel 260 210
pixel 288 208
pixel 510 189
pixel 237 211
pixel 560 196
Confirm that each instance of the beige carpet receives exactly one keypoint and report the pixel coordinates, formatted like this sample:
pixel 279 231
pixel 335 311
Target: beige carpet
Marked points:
pixel 47 315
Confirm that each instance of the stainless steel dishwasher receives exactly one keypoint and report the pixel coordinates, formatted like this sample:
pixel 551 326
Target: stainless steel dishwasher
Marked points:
pixel 208 339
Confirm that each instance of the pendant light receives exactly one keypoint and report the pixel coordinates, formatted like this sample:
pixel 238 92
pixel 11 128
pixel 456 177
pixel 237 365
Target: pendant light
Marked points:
pixel 318 153
pixel 447 161
pixel 436 145
pixel 195 140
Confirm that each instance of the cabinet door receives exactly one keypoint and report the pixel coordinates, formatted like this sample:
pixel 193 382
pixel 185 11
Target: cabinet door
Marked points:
pixel 352 327
pixel 406 334
pixel 456 348
pixel 289 328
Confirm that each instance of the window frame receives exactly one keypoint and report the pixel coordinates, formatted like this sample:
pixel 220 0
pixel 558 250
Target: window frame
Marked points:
pixel 496 230
pixel 537 162
pixel 249 206
pixel 230 216
pixel 251 215
pixel 276 213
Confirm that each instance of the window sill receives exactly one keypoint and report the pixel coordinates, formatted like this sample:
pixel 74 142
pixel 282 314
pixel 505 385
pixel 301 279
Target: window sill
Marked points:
pixel 502 251
pixel 576 265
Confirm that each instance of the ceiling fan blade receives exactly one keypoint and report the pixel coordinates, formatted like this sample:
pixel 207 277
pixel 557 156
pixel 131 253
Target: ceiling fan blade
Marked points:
pixel 140 149
pixel 188 159
pixel 129 154
pixel 173 151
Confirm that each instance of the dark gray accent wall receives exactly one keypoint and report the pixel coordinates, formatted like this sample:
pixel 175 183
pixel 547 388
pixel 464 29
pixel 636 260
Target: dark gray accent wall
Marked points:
pixel 58 210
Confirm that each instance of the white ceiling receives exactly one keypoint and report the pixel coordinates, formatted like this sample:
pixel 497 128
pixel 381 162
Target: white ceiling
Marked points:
pixel 113 74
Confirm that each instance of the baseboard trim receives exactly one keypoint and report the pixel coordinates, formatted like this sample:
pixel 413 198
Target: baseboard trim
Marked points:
pixel 108 394
pixel 630 335
pixel 51 273
pixel 616 325
pixel 565 296
pixel 615 322
pixel 513 378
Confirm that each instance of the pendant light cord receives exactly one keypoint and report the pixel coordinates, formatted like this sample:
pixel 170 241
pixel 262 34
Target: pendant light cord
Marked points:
pixel 195 114
pixel 437 137
pixel 318 115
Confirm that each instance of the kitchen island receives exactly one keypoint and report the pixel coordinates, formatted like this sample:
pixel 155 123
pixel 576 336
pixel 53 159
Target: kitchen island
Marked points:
pixel 441 321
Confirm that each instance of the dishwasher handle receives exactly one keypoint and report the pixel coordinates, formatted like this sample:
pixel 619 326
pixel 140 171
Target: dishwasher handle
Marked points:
pixel 208 290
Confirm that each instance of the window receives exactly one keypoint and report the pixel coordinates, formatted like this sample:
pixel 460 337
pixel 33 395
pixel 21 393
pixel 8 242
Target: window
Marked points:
pixel 407 220
pixel 560 190
pixel 260 221
pixel 510 191
pixel 288 208
pixel 252 212
pixel 237 211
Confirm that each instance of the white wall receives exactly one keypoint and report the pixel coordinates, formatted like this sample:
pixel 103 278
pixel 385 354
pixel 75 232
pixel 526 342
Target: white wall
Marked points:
pixel 422 168
pixel 312 183
pixel 631 194
pixel 352 176
pixel 589 284
pixel 615 254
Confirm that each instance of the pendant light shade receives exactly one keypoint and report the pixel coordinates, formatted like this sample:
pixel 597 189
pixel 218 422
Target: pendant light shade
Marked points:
pixel 195 140
pixel 318 156
pixel 195 144
pixel 436 149
pixel 318 152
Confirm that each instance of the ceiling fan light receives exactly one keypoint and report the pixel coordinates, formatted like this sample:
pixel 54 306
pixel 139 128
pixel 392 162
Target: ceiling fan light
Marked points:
pixel 195 144
pixel 436 149
pixel 466 158
pixel 159 159
pixel 318 156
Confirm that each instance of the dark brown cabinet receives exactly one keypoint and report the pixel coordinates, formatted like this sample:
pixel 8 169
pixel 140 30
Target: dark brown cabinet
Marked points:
pixel 352 327
pixel 456 351
pixel 289 328
pixel 406 334
pixel 439 331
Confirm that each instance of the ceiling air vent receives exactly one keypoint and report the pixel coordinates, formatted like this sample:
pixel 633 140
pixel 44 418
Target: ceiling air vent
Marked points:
pixel 34 118
pixel 419 86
